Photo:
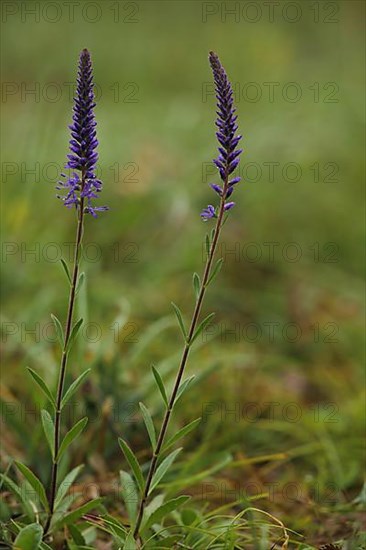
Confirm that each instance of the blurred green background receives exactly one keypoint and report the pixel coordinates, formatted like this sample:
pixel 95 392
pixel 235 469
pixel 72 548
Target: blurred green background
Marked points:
pixel 298 74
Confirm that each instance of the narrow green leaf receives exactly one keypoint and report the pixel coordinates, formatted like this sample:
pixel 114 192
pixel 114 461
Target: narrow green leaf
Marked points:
pixel 29 538
pixel 181 433
pixel 207 245
pixel 203 324
pixel 49 430
pixel 153 505
pixel 183 387
pixel 111 525
pixel 43 386
pixel 71 435
pixel 196 284
pixel 73 546
pixel 165 509
pixel 71 517
pixel 190 516
pixel 59 329
pixel 181 481
pixel 160 384
pixel 180 320
pixel 20 494
pixel 129 494
pixel 171 541
pixel 163 468
pixel 73 388
pixel 65 505
pixel 149 424
pixel 216 270
pixel 130 543
pixel 66 269
pixel 80 282
pixel 74 332
pixel 66 484
pixel 77 535
pixel 133 462
pixel 34 482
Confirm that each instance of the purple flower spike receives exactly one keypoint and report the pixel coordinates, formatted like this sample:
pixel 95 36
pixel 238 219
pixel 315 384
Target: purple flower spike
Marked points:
pixel 208 213
pixel 228 158
pixel 83 144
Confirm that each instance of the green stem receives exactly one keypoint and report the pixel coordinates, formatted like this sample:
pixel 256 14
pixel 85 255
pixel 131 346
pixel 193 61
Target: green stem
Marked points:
pixel 62 372
pixel 183 362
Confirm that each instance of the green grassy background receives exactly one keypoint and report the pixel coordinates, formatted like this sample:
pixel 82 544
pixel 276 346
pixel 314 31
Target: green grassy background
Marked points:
pixel 165 137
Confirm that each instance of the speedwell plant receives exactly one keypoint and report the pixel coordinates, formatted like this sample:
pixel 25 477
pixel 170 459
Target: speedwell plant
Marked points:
pixel 54 510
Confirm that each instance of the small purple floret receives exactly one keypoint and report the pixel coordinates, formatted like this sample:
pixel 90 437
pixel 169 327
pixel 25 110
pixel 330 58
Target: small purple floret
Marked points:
pixel 208 213
pixel 228 158
pixel 229 205
pixel 216 188
pixel 83 144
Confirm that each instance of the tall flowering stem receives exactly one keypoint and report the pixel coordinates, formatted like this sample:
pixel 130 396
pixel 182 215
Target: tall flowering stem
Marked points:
pixel 82 186
pixel 226 163
pixel 62 372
